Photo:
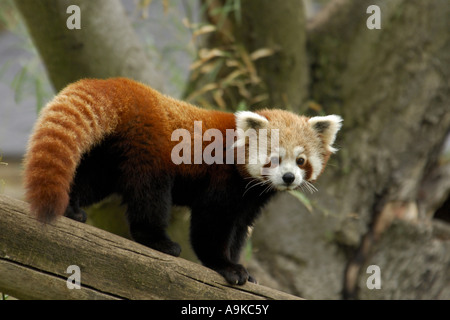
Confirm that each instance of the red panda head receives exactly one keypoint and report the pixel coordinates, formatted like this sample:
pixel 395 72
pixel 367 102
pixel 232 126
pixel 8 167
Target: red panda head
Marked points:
pixel 291 150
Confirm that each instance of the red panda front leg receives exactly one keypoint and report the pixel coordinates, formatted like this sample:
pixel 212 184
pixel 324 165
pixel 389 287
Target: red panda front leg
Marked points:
pixel 240 236
pixel 212 235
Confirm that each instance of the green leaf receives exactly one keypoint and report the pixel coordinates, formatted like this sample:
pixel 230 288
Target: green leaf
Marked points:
pixel 18 84
pixel 300 196
pixel 242 106
pixel 40 94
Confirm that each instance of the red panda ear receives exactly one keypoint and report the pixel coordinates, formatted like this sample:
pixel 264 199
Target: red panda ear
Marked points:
pixel 249 120
pixel 327 127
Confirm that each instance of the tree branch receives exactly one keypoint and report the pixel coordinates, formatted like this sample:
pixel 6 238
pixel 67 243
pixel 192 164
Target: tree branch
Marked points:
pixel 105 46
pixel 34 259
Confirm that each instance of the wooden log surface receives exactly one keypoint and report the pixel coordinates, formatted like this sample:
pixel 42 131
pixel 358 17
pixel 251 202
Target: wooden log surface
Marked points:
pixel 34 259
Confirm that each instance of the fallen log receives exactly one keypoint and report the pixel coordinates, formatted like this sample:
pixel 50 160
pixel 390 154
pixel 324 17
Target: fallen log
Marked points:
pixel 36 261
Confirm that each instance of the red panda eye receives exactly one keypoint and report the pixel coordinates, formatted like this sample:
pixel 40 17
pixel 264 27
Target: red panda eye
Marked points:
pixel 300 161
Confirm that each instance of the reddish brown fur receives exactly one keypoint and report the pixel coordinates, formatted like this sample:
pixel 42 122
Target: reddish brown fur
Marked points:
pixel 83 113
pixel 99 137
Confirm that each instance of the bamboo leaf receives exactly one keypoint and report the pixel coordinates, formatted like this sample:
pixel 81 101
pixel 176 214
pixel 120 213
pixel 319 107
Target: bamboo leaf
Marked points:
pixel 203 30
pixel 261 53
pixel 243 91
pixel 208 54
pixel 300 196
pixel 218 98
pixel 249 64
pixel 233 75
pixel 18 84
pixel 314 106
pixel 202 90
pixel 259 98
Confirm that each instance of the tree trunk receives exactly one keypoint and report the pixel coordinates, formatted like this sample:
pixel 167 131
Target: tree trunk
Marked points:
pixel 391 87
pixel 278 25
pixel 414 263
pixel 105 46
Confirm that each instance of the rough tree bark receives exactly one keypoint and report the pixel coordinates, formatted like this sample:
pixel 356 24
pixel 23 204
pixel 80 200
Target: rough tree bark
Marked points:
pixel 391 87
pixel 279 25
pixel 34 259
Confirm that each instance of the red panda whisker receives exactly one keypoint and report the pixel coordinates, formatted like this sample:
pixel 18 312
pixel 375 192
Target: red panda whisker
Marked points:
pixel 311 186
pixel 301 187
pixel 308 186
pixel 248 188
pixel 268 188
pixel 259 183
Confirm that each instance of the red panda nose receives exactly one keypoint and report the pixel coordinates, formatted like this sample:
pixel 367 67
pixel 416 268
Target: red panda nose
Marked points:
pixel 288 178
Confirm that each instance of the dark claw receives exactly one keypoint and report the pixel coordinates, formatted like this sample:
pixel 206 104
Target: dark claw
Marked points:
pixel 252 280
pixel 235 274
pixel 78 215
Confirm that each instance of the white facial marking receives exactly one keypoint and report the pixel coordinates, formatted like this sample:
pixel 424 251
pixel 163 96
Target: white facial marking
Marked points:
pixel 316 164
pixel 287 164
pixel 280 162
pixel 298 151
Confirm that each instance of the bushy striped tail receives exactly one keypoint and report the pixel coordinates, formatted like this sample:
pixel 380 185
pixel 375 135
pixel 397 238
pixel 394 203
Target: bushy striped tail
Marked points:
pixel 70 125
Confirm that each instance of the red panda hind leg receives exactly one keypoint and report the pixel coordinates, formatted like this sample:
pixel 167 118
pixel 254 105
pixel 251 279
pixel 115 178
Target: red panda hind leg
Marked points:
pixel 76 213
pixel 148 199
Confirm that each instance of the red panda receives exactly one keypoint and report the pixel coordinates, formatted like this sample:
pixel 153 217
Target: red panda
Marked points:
pixel 98 137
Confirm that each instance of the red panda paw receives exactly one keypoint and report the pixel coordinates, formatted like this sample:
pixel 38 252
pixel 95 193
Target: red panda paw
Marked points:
pixel 166 246
pixel 76 214
pixel 251 279
pixel 236 274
